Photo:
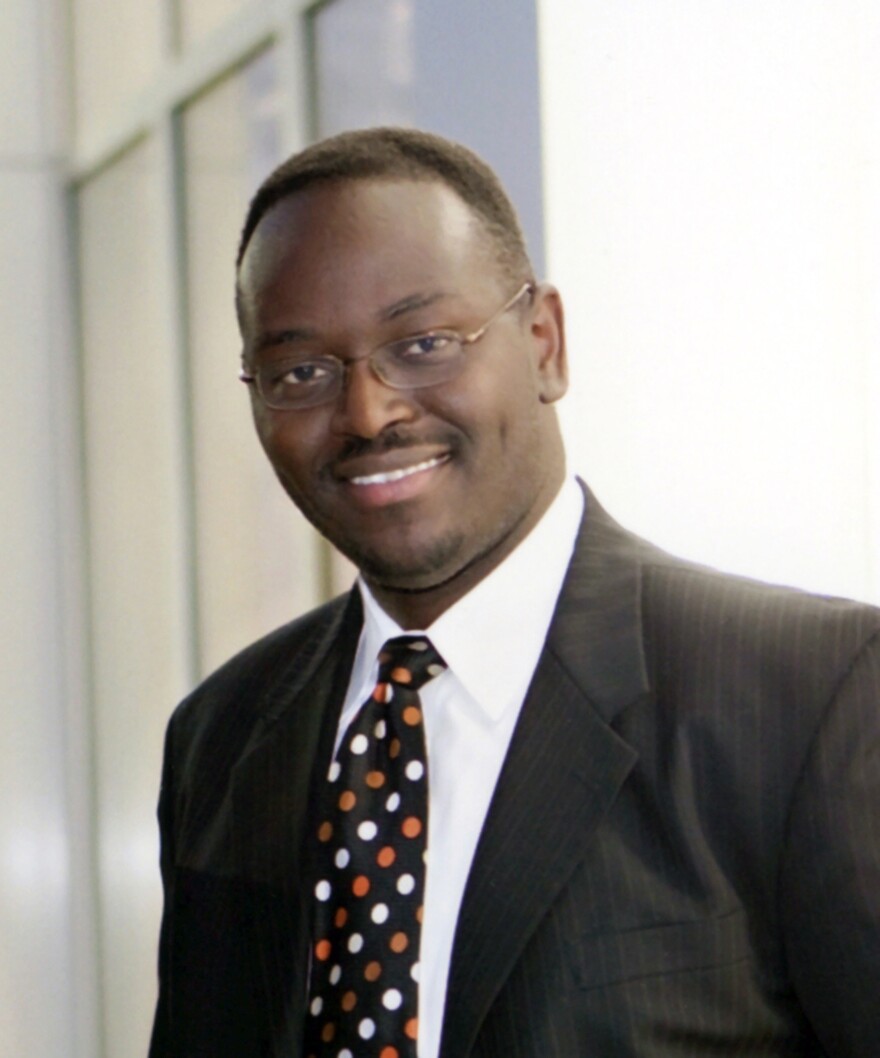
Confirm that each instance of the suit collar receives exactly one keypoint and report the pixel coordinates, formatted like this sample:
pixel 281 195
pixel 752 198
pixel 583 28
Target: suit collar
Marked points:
pixel 563 771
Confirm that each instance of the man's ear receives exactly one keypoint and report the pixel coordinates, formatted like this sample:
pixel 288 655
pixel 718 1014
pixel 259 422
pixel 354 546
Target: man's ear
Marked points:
pixel 548 337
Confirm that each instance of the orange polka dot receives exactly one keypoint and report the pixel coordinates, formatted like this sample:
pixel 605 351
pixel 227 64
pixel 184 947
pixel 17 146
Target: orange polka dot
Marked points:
pixel 401 675
pixel 411 1028
pixel 411 827
pixel 399 942
pixel 348 1001
pixel 328 1032
pixel 347 800
pixel 373 971
pixel 322 950
pixel 361 885
pixel 419 913
pixel 325 831
pixel 375 779
pixel 394 748
pixel 340 918
pixel 386 856
pixel 389 1052
pixel 412 715
pixel 381 692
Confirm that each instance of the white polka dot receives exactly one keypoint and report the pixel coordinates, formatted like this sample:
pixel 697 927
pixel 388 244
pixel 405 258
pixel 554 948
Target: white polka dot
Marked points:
pixel 366 1029
pixel 323 890
pixel 418 644
pixel 415 770
pixel 317 1006
pixel 425 856
pixel 355 943
pixel 405 884
pixel 335 975
pixel 367 830
pixel 379 914
pixel 345 1053
pixel 359 744
pixel 335 769
pixel 342 857
pixel 391 999
pixel 380 730
pixel 415 971
pixel 393 802
pixel 435 670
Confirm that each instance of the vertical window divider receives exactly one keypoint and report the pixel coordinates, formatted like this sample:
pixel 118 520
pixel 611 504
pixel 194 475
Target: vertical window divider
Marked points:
pixel 295 43
pixel 171 28
pixel 169 137
pixel 87 940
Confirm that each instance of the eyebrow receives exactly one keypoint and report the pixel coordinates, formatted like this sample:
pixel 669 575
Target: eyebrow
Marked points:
pixel 289 334
pixel 411 303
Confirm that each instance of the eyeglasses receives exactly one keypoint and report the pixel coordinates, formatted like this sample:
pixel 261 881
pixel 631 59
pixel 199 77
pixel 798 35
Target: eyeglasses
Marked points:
pixel 423 360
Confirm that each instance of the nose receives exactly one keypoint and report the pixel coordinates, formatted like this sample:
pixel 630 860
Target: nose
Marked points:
pixel 367 406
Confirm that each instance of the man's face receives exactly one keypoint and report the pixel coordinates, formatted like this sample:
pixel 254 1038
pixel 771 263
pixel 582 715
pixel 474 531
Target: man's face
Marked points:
pixel 417 487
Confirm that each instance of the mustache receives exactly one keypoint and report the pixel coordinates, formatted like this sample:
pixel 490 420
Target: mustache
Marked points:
pixel 388 441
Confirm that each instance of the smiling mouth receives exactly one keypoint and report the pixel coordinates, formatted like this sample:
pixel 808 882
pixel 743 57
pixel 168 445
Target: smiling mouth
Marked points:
pixel 389 476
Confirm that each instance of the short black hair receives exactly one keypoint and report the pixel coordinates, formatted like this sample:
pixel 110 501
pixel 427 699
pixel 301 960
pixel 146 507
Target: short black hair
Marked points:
pixel 399 153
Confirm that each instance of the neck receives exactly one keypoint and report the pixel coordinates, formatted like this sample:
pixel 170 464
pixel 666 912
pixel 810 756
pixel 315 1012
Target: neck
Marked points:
pixel 418 608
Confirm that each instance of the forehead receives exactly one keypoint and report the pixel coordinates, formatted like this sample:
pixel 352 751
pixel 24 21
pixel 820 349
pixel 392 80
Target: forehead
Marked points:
pixel 350 236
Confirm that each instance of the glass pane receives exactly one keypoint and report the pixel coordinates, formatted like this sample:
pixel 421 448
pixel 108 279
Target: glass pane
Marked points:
pixel 407 62
pixel 364 59
pixel 257 558
pixel 117 47
pixel 199 17
pixel 139 630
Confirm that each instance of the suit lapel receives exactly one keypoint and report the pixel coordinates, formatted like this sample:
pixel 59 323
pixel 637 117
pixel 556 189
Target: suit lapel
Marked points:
pixel 273 786
pixel 562 773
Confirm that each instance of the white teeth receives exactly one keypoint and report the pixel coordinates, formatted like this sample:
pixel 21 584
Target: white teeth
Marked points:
pixel 396 475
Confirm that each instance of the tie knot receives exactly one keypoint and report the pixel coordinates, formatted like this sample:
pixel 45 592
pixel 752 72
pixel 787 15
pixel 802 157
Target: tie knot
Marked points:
pixel 409 661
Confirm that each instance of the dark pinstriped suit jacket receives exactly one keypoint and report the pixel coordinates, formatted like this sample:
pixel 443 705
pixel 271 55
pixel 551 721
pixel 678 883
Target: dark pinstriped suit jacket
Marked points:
pixel 682 857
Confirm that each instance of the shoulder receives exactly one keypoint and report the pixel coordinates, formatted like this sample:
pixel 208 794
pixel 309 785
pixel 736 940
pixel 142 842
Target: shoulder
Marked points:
pixel 707 637
pixel 766 672
pixel 689 606
pixel 235 697
pixel 680 598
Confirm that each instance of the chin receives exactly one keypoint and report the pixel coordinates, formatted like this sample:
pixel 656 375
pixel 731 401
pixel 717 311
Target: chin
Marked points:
pixel 408 567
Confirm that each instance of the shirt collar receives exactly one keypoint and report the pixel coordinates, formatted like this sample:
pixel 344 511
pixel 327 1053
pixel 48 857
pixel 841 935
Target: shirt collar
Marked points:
pixel 492 638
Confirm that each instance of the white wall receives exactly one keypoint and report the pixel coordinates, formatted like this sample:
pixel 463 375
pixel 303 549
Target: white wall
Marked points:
pixel 712 185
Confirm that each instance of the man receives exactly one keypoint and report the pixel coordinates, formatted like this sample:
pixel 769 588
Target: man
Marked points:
pixel 652 810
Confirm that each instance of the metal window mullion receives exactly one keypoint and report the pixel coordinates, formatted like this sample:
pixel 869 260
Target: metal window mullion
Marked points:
pixel 75 636
pixel 172 175
pixel 76 607
pixel 182 76
pixel 187 72
pixel 170 30
pixel 294 64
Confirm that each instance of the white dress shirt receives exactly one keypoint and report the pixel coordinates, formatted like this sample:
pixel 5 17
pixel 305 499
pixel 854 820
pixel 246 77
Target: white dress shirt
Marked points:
pixel 491 641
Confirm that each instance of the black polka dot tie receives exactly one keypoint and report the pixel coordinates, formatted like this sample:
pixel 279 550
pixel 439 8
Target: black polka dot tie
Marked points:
pixel 372 840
